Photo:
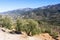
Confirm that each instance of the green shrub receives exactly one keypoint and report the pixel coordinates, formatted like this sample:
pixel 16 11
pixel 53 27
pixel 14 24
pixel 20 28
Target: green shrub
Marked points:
pixel 33 26
pixel 54 34
pixel 20 24
pixel 7 23
pixel 29 26
pixel 47 28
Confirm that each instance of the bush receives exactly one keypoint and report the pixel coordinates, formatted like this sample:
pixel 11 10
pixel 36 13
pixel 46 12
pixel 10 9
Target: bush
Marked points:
pixel 27 25
pixel 54 34
pixel 20 25
pixel 7 23
pixel 47 28
pixel 33 27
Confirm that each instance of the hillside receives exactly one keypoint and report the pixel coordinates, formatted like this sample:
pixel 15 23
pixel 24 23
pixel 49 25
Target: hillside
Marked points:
pixel 32 21
pixel 50 13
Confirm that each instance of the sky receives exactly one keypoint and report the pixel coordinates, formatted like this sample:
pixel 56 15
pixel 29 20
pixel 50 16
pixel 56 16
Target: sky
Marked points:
pixel 6 5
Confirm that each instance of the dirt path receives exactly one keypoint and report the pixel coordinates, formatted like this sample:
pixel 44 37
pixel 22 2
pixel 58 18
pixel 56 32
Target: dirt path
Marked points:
pixel 8 36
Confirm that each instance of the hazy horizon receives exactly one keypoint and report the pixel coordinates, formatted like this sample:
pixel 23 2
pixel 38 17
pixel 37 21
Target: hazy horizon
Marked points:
pixel 7 5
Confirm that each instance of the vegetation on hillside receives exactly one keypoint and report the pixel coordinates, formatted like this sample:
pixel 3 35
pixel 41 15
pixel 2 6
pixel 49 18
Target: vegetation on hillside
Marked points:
pixel 27 25
pixel 30 26
pixel 7 22
pixel 34 21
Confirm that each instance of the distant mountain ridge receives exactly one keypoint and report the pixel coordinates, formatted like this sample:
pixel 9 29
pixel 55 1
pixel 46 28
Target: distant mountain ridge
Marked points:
pixel 50 13
pixel 19 11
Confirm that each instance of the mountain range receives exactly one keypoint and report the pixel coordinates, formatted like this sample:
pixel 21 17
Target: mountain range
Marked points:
pixel 50 13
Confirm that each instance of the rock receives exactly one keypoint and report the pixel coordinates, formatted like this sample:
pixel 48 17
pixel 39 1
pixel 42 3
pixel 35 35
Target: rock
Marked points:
pixel 58 38
pixel 44 36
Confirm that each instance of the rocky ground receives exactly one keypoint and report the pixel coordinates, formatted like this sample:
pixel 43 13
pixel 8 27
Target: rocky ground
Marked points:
pixel 8 36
